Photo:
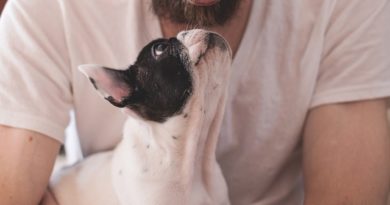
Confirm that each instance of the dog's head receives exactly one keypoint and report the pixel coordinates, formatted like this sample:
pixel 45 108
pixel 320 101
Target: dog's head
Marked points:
pixel 165 75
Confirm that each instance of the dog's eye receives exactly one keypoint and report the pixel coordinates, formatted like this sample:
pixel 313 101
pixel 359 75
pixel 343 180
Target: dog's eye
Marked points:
pixel 159 49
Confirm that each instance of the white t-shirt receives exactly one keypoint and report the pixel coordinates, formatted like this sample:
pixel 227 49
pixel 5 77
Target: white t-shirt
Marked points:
pixel 295 55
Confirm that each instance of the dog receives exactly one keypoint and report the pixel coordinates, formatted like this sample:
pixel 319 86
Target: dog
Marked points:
pixel 174 95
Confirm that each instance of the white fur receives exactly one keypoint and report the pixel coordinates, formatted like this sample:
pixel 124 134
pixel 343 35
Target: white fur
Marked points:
pixel 162 163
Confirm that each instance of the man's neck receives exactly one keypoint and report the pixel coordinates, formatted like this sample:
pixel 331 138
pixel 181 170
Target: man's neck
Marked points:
pixel 233 31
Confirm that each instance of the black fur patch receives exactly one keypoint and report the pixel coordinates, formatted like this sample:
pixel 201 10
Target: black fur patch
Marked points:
pixel 160 81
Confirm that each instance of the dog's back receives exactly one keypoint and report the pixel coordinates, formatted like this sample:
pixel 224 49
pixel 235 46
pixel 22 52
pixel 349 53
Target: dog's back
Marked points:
pixel 88 182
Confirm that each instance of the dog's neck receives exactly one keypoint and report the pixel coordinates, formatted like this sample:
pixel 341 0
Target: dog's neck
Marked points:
pixel 177 156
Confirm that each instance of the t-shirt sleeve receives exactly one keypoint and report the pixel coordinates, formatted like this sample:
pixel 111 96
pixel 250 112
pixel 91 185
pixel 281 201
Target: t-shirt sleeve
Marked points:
pixel 355 62
pixel 35 90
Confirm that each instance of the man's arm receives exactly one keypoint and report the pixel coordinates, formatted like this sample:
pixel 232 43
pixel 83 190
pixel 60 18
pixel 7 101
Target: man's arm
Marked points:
pixel 346 154
pixel 26 162
pixel 2 4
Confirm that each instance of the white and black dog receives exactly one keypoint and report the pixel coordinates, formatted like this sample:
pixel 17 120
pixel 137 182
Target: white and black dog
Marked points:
pixel 174 95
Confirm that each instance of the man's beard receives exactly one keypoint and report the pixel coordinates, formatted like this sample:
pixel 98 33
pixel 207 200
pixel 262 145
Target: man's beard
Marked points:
pixel 182 12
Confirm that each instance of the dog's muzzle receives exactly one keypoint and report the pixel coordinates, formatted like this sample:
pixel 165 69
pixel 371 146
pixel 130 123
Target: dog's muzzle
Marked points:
pixel 199 42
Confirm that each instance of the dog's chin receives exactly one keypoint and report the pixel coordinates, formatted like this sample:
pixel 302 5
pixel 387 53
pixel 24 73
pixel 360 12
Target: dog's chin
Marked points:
pixel 201 44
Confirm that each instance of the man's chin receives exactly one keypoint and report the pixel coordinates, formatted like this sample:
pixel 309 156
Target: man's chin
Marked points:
pixel 190 13
pixel 203 2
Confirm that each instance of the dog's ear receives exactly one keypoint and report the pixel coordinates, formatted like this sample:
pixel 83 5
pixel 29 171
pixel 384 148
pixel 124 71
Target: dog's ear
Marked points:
pixel 110 83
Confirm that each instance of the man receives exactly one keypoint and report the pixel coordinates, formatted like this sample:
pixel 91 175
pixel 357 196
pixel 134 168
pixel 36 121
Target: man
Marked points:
pixel 307 92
